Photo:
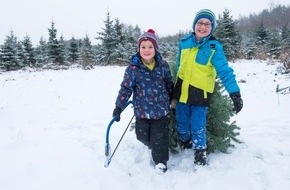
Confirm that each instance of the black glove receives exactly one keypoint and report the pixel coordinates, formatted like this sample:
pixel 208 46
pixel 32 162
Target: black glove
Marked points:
pixel 117 112
pixel 237 101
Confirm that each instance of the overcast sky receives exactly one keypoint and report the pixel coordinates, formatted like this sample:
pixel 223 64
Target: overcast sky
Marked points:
pixel 80 17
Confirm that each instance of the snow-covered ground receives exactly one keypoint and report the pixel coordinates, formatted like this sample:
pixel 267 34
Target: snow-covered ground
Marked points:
pixel 53 126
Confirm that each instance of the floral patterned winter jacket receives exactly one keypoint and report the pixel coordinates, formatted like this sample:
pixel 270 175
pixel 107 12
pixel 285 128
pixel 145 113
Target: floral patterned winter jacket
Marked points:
pixel 152 90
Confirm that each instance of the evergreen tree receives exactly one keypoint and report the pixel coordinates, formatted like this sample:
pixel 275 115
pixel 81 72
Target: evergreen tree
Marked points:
pixel 28 51
pixel 248 47
pixel 73 51
pixel 41 53
pixel 9 53
pixel 261 35
pixel 273 44
pixel 132 34
pixel 108 42
pixel 227 34
pixel 285 51
pixel 128 42
pixel 99 56
pixel 119 28
pixel 169 46
pixel 20 58
pixel 221 133
pixel 62 51
pixel 54 51
pixel 285 37
pixel 119 55
pixel 87 53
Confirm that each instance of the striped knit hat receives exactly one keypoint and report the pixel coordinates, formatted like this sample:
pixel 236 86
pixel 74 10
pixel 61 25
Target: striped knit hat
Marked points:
pixel 205 13
pixel 149 35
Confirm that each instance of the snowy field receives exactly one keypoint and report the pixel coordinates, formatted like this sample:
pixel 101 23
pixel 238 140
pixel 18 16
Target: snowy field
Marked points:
pixel 53 126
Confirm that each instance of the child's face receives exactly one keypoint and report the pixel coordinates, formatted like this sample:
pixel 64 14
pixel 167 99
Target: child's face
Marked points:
pixel 147 51
pixel 202 28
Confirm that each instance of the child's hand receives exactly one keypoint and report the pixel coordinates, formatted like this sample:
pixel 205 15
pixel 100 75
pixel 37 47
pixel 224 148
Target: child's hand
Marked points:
pixel 238 101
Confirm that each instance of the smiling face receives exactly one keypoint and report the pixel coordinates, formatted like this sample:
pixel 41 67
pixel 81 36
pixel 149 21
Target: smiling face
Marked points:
pixel 147 51
pixel 202 28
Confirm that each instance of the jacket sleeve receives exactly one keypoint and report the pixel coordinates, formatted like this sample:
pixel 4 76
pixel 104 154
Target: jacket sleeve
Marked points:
pixel 168 81
pixel 224 71
pixel 127 87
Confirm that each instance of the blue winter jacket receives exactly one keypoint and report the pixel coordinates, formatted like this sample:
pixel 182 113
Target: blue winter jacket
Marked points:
pixel 152 89
pixel 210 51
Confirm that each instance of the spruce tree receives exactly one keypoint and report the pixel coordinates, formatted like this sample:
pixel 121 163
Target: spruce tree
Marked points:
pixel 62 51
pixel 285 51
pixel 261 35
pixel 41 53
pixel 248 47
pixel 285 36
pixel 221 132
pixel 8 53
pixel 129 44
pixel 54 51
pixel 227 34
pixel 87 53
pixel 273 44
pixel 120 55
pixel 73 51
pixel 108 42
pixel 20 55
pixel 28 51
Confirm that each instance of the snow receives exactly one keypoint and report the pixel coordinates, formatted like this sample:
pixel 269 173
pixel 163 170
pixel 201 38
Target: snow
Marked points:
pixel 53 126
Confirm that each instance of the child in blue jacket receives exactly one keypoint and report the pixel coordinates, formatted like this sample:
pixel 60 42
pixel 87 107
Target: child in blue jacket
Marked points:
pixel 149 79
pixel 200 59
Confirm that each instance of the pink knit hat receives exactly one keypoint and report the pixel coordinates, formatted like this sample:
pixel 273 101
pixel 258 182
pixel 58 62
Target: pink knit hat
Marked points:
pixel 149 35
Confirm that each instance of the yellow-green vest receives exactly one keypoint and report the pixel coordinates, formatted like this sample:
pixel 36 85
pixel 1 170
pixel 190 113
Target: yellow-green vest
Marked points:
pixel 201 76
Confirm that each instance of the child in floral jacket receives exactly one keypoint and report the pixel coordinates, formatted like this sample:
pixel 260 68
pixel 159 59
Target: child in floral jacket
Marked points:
pixel 149 79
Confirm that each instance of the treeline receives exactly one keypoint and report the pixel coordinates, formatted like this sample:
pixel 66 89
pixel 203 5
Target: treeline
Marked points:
pixel 266 35
pixel 118 41
pixel 260 36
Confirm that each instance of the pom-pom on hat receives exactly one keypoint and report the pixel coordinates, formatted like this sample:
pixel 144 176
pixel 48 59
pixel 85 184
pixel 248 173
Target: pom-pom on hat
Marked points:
pixel 149 35
pixel 205 13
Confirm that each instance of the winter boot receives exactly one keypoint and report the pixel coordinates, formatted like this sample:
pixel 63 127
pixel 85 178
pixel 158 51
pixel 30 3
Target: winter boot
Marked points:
pixel 200 157
pixel 187 144
pixel 161 167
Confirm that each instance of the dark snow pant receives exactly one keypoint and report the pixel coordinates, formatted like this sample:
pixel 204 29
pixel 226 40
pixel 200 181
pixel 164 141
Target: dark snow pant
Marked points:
pixel 154 134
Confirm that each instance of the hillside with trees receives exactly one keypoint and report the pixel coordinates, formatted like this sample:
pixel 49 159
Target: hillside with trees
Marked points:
pixel 259 36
